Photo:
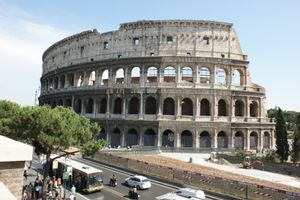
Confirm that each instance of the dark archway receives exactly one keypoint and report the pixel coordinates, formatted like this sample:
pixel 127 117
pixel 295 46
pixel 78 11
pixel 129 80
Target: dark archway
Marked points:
pixel 205 140
pixel 239 140
pixel 222 140
pixel 267 141
pixel 186 139
pixel 89 106
pixel 149 137
pixel 115 139
pixel 168 138
pixel 134 105
pixel 69 103
pixel 132 137
pixel 150 106
pixel 204 107
pixel 186 107
pixel 118 106
pixel 253 140
pixel 101 135
pixel 169 106
pixel 253 109
pixel 103 105
pixel 222 108
pixel 239 108
pixel 78 105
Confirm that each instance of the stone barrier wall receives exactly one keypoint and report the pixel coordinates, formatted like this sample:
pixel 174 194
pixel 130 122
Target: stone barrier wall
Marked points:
pixel 205 182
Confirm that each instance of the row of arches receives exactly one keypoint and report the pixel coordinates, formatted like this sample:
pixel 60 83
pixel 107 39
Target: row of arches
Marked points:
pixel 152 74
pixel 169 139
pixel 168 106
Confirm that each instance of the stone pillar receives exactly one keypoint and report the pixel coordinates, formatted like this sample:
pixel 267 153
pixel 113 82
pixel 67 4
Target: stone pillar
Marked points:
pixel 97 78
pixel 214 139
pixel 159 75
pixel 111 77
pixel 229 77
pixel 177 74
pixel 127 77
pixel 123 137
pixel 197 139
pixel 177 140
pixel 94 106
pixel 85 79
pixel 141 113
pixel 141 136
pixel 213 76
pixel 108 104
pixel 196 75
pixel 158 137
pixel 82 106
pixel 124 107
pixel 197 108
pixel 178 107
pixel 247 107
pixel 143 76
pixel 247 140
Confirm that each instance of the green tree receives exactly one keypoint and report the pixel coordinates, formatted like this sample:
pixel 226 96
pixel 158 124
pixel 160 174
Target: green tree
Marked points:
pixel 7 110
pixel 296 142
pixel 50 130
pixel 281 136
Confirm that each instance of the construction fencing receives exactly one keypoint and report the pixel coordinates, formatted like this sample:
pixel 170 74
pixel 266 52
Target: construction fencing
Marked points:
pixel 205 182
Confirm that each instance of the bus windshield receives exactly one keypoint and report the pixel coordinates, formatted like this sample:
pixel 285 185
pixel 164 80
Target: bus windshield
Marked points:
pixel 95 179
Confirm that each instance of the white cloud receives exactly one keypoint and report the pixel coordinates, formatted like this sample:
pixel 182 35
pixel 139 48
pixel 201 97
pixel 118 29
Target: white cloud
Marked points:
pixel 22 43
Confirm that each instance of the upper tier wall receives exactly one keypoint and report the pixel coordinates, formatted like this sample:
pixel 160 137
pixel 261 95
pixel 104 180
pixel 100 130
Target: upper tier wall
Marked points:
pixel 146 38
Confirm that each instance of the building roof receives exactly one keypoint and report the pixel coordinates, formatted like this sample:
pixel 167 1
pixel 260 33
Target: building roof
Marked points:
pixel 5 193
pixel 11 150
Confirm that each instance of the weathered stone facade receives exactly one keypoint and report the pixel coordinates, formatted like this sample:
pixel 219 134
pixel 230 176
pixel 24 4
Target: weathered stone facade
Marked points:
pixel 169 83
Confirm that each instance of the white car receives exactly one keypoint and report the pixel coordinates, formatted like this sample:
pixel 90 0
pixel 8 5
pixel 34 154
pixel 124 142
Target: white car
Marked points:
pixel 140 182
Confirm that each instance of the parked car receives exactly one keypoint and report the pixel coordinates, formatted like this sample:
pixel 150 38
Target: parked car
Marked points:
pixel 140 182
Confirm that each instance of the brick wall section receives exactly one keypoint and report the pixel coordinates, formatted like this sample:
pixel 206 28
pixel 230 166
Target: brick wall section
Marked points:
pixel 205 182
pixel 11 174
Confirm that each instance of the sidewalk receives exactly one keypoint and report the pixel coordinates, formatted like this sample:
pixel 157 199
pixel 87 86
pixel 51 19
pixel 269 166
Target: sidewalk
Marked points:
pixel 32 175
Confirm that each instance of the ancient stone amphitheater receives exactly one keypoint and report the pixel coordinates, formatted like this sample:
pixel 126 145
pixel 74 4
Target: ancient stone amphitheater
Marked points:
pixel 180 84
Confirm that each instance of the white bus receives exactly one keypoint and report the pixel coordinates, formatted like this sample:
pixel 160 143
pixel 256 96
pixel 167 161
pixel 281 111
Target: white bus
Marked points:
pixel 85 178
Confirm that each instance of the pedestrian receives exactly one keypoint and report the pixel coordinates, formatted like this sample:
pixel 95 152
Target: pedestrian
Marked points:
pixel 73 189
pixel 25 174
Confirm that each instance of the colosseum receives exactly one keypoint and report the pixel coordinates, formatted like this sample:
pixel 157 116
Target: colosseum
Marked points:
pixel 178 84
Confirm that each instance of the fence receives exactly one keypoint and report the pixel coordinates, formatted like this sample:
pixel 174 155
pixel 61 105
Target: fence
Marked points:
pixel 214 184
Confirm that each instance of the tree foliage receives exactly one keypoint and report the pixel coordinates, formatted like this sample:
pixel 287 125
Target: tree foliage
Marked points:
pixel 281 136
pixel 49 130
pixel 296 142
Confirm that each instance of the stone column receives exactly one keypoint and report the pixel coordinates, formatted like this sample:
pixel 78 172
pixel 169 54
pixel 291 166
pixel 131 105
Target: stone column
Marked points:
pixel 178 107
pixel 229 77
pixel 178 74
pixel 196 76
pixel 197 108
pixel 123 137
pixel 247 140
pixel 215 139
pixel 141 113
pixel 111 77
pixel 197 138
pixel 124 107
pixel 213 76
pixel 108 104
pixel 159 75
pixel 85 79
pixel 142 76
pixel 97 78
pixel 158 137
pixel 141 136
pixel 127 77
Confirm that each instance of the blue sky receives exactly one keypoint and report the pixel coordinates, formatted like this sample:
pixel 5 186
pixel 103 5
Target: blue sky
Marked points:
pixel 268 31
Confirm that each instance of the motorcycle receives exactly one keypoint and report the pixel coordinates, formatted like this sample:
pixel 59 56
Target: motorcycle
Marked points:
pixel 132 194
pixel 113 182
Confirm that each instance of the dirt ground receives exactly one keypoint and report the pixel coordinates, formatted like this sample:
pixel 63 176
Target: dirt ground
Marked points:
pixel 174 163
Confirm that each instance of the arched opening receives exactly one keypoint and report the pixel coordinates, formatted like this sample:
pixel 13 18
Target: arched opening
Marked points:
pixel 135 75
pixel 221 76
pixel 205 140
pixel 149 138
pixel 204 74
pixel 92 78
pixel 186 107
pixel 186 139
pixel 253 140
pixel 115 139
pixel 187 74
pixel 118 106
pixel 239 108
pixel 70 79
pixel 101 135
pixel 77 105
pixel 222 108
pixel 56 83
pixel 204 107
pixel 239 140
pixel 169 74
pixel 169 106
pixel 222 140
pixel 150 106
pixel 103 105
pixel 253 109
pixel 152 75
pixel 53 104
pixel 60 102
pixel 119 76
pixel 80 77
pixel 134 105
pixel 169 39
pixel 89 107
pixel 104 77
pixel 69 103
pixel 168 138
pixel 62 81
pixel 236 78
pixel 132 137
pixel 267 141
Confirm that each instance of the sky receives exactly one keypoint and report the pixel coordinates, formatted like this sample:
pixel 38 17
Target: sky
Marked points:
pixel 268 32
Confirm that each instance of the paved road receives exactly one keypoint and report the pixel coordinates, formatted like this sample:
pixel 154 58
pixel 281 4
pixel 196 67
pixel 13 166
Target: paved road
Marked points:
pixel 121 191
